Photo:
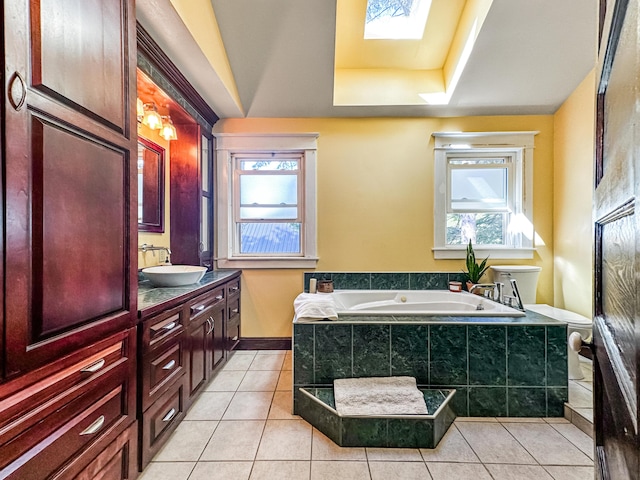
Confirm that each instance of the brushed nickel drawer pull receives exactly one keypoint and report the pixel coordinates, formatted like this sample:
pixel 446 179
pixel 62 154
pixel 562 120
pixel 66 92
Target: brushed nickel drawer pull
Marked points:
pixel 198 308
pixel 219 297
pixel 169 326
pixel 94 427
pixel 94 367
pixel 170 414
pixel 169 365
pixel 235 310
pixel 210 322
pixel 235 288
pixel 235 338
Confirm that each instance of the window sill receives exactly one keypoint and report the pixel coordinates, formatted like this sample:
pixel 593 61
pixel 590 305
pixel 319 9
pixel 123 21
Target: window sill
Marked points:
pixel 481 253
pixel 267 262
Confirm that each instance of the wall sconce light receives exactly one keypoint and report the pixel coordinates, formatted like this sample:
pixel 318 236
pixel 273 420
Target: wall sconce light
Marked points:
pixel 151 117
pixel 168 131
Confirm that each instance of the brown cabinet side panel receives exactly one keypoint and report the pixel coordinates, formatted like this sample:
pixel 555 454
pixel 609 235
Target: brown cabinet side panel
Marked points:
pixel 77 56
pixel 79 235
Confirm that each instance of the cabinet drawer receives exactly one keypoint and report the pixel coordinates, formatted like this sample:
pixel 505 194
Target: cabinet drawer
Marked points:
pixel 233 332
pixel 163 328
pixel 160 420
pixel 159 370
pixel 83 370
pixel 117 461
pixel 39 451
pixel 200 304
pixel 233 287
pixel 233 306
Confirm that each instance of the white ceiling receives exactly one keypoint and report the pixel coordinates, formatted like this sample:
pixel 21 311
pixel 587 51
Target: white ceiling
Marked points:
pixel 530 55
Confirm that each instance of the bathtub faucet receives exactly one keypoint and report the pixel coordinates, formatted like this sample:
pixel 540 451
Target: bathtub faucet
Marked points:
pixel 485 286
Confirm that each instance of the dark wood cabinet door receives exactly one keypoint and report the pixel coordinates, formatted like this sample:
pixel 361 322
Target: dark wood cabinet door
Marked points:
pixel 70 198
pixel 217 338
pixel 197 339
pixel 616 331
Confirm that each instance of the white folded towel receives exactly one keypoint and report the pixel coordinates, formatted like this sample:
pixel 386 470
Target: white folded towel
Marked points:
pixel 378 396
pixel 315 306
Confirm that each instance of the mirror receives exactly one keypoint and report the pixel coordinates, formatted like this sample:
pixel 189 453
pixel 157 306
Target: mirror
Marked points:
pixel 150 186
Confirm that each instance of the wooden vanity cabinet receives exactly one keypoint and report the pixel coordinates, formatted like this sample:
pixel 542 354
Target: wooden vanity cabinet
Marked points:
pixel 233 315
pixel 69 308
pixel 182 344
pixel 205 337
pixel 162 378
pixel 74 411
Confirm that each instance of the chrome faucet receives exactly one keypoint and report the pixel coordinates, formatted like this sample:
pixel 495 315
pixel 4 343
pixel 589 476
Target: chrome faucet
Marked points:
pixel 497 294
pixel 478 286
pixel 150 248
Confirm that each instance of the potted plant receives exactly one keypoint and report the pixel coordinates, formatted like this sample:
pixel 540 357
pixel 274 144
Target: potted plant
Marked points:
pixel 475 270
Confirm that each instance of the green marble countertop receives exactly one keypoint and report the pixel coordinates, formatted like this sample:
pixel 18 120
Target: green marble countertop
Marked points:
pixel 154 299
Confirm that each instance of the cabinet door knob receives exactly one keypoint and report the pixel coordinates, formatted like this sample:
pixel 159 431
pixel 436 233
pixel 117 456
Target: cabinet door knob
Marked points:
pixel 170 414
pixel 94 367
pixel 235 310
pixel 94 427
pixel 235 338
pixel 169 365
pixel 17 91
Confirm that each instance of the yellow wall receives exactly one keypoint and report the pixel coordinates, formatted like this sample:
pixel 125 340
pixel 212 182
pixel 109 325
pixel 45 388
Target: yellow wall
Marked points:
pixel 573 185
pixel 149 259
pixel 375 204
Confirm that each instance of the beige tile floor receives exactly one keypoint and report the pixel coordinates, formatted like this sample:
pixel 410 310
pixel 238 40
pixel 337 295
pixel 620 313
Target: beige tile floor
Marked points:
pixel 241 428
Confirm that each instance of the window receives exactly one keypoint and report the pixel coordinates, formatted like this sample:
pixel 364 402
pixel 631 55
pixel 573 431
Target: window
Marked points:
pixel 266 200
pixel 483 193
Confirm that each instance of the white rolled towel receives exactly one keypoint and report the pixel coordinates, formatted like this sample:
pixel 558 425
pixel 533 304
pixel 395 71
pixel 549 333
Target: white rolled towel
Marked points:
pixel 315 306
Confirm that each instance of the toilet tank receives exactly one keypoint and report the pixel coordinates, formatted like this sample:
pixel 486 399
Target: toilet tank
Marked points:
pixel 526 276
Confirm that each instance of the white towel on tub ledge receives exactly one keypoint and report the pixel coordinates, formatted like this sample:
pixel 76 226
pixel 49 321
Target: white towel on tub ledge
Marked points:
pixel 315 306
pixel 378 396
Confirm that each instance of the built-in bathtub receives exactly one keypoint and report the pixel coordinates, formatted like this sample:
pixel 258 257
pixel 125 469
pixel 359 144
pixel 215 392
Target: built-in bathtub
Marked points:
pixel 500 365
pixel 418 302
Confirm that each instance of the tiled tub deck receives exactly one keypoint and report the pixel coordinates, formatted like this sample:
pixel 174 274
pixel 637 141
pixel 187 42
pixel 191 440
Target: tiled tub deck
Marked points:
pixel 500 367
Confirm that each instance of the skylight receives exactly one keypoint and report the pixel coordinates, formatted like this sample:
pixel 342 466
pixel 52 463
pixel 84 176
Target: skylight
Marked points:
pixel 396 19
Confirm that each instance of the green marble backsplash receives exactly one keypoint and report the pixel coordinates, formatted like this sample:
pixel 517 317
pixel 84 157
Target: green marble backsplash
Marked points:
pixel 386 280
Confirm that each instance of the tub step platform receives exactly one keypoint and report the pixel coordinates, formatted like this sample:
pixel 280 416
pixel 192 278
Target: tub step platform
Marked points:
pixel 317 406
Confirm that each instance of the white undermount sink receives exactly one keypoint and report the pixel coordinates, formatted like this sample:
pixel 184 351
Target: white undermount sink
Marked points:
pixel 174 275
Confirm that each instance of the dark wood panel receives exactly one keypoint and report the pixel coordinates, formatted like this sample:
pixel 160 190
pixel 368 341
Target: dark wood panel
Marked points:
pixel 78 231
pixel 78 54
pixel 185 196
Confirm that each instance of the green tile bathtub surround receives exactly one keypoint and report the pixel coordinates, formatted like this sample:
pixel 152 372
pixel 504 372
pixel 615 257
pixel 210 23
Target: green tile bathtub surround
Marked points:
pixel 334 341
pixel 526 360
pixel 527 402
pixel 556 397
pixel 487 355
pixel 402 433
pixel 557 367
pixel 487 401
pixel 428 281
pixel 410 352
pixel 319 416
pixel 303 358
pixel 448 356
pixel 371 355
pixel 363 432
pixel 460 401
pixel 351 281
pixel 390 281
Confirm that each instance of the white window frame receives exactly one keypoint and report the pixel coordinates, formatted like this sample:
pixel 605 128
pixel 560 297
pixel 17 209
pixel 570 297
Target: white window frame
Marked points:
pixel 231 145
pixel 518 148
